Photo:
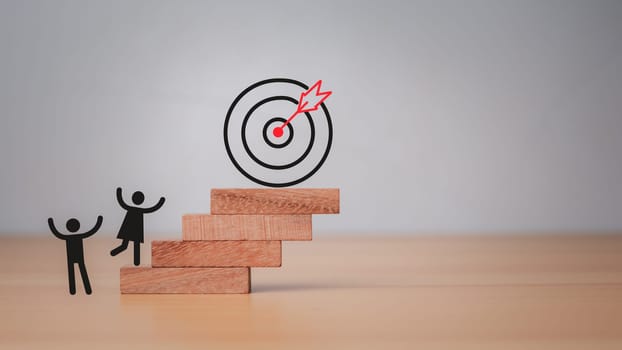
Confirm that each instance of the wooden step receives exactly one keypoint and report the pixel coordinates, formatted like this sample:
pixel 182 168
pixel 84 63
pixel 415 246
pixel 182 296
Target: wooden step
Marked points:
pixel 275 201
pixel 197 227
pixel 147 280
pixel 216 253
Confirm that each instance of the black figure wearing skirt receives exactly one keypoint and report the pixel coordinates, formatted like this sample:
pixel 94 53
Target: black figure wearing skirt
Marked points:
pixel 132 228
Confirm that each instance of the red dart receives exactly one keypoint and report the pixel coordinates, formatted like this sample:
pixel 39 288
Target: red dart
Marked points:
pixel 307 103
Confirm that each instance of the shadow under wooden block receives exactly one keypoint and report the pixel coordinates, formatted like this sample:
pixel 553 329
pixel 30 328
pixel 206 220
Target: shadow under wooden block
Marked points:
pixel 275 201
pixel 216 253
pixel 197 227
pixel 147 280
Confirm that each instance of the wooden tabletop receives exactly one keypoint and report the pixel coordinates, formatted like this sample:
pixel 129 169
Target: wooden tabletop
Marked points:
pixel 425 292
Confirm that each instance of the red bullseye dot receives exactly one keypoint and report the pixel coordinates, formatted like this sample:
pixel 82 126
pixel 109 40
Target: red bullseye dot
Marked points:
pixel 278 131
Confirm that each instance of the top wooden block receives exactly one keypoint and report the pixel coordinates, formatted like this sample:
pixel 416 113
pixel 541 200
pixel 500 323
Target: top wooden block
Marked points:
pixel 275 201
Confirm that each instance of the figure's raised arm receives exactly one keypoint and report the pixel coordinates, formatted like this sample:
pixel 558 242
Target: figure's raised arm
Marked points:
pixel 92 231
pixel 54 230
pixel 120 199
pixel 155 207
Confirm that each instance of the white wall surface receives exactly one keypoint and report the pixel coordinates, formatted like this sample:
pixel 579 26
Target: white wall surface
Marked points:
pixel 449 116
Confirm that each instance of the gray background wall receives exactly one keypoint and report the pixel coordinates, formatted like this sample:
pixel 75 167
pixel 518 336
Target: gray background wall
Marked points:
pixel 465 116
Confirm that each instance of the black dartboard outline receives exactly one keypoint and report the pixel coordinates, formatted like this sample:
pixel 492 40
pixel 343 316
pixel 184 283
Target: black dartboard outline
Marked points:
pixel 250 152
pixel 239 167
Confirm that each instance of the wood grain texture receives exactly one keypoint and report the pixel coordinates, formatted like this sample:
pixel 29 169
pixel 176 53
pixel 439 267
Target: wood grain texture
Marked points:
pixel 147 280
pixel 197 227
pixel 365 291
pixel 275 201
pixel 216 253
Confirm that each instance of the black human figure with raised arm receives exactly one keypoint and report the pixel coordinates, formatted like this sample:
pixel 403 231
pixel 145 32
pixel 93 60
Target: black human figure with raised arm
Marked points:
pixel 75 250
pixel 132 228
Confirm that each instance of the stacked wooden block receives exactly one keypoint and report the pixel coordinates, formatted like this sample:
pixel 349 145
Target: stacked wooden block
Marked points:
pixel 217 250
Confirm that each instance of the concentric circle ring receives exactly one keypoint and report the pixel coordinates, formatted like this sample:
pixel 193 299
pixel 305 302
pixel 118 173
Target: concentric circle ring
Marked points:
pixel 267 139
pixel 254 178
pixel 259 161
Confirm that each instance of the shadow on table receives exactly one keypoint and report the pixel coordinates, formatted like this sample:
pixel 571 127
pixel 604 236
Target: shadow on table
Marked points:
pixel 290 287
pixel 293 287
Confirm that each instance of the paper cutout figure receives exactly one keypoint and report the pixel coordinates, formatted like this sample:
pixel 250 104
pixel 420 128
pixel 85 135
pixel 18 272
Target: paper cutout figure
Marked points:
pixel 132 228
pixel 75 250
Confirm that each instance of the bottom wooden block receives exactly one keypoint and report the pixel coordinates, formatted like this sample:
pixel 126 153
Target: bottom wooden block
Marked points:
pixel 185 280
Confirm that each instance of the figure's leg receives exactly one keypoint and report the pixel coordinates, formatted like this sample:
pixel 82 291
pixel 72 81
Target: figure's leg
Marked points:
pixel 72 278
pixel 85 277
pixel 120 248
pixel 136 253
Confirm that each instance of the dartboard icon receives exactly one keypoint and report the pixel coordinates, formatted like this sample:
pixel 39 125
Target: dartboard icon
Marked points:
pixel 278 132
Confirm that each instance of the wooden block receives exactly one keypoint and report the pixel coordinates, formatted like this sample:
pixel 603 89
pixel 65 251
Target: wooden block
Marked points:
pixel 147 280
pixel 216 253
pixel 197 227
pixel 275 201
